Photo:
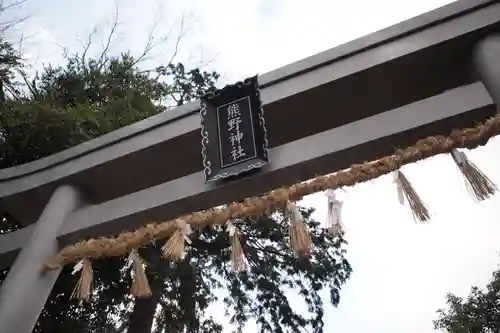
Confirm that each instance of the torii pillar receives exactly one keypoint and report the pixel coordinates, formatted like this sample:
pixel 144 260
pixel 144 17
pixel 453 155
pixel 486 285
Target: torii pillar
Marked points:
pixel 486 60
pixel 26 288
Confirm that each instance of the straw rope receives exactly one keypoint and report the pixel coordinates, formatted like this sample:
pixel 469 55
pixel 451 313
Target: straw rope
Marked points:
pixel 256 206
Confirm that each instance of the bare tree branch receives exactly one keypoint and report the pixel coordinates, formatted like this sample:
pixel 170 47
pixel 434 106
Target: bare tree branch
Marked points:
pixel 8 24
pixel 208 62
pixel 104 54
pixel 151 44
pixel 12 91
pixel 31 88
pixel 86 46
pixel 12 5
pixel 177 42
pixel 149 47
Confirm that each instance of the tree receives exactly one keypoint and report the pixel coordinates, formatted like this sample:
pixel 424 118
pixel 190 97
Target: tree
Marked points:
pixel 9 62
pixel 68 105
pixel 478 313
pixel 91 96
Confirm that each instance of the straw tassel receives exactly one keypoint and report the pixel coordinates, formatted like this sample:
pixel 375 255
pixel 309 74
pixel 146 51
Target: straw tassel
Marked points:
pixel 479 185
pixel 238 258
pixel 83 287
pixel 174 248
pixel 299 236
pixel 140 285
pixel 406 190
pixel 334 224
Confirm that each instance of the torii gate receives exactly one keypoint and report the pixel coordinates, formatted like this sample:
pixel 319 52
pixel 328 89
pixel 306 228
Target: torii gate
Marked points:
pixel 422 77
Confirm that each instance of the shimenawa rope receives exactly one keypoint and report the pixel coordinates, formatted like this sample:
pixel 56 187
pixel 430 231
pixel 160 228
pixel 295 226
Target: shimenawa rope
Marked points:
pixel 114 246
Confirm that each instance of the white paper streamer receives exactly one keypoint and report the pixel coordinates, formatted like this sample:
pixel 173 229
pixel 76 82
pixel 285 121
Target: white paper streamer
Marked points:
pixel 337 212
pixel 238 267
pixel 330 194
pixel 185 230
pixel 334 215
pixel 459 156
pixel 292 209
pixel 399 187
pixel 78 267
pixel 231 229
pixel 129 260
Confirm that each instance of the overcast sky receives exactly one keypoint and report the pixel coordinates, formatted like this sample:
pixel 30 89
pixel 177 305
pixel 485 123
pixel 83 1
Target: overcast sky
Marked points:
pixel 401 270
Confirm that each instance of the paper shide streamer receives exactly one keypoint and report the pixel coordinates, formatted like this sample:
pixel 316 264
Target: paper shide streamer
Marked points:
pixel 406 191
pixel 140 285
pixel 334 224
pixel 299 235
pixel 479 185
pixel 83 288
pixel 238 259
pixel 174 248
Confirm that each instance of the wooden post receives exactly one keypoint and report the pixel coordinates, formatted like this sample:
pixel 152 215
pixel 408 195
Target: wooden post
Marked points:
pixel 25 290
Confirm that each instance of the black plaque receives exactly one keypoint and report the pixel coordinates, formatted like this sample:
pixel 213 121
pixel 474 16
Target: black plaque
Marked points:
pixel 233 131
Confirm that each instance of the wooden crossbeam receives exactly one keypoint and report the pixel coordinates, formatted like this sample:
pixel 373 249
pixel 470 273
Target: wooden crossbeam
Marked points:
pixel 295 161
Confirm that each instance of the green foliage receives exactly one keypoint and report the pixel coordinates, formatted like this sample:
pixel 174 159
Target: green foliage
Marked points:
pixel 187 85
pixel 88 98
pixel 31 130
pixel 478 313
pixel 67 105
pixel 10 63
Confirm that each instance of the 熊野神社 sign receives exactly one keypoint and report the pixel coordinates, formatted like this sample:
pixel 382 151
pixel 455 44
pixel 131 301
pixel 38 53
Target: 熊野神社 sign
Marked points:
pixel 234 137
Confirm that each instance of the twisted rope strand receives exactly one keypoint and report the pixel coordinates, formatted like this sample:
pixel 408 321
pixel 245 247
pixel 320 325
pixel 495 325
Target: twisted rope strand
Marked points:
pixel 256 206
